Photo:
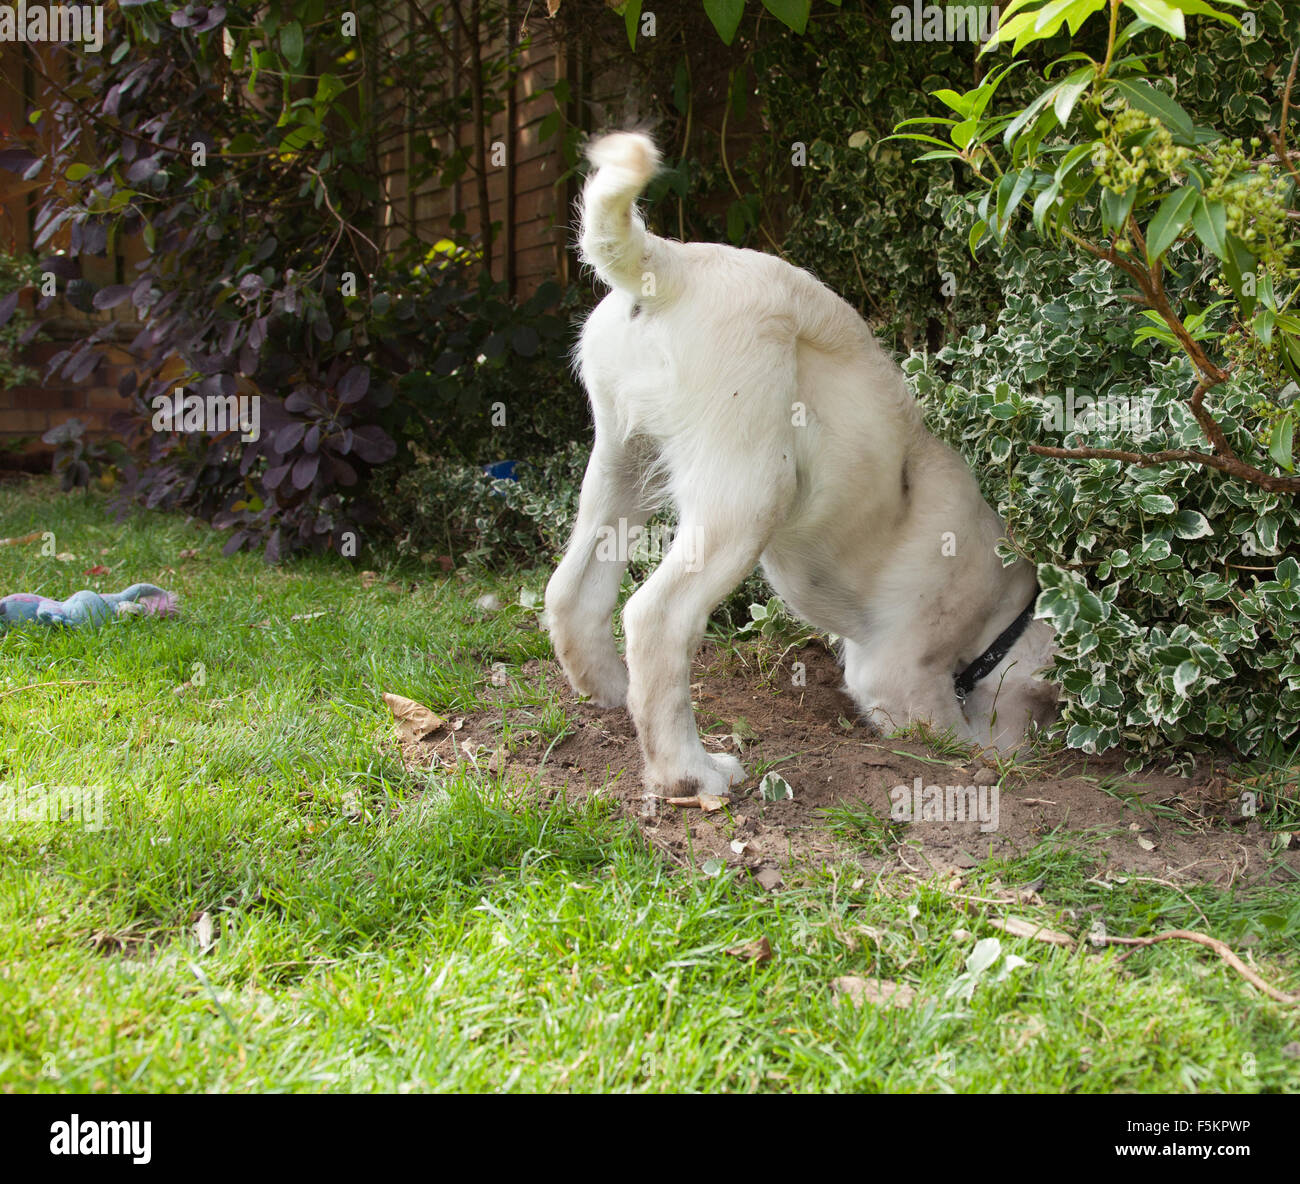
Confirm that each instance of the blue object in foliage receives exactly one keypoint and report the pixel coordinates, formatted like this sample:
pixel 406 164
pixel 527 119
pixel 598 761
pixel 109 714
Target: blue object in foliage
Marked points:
pixel 503 470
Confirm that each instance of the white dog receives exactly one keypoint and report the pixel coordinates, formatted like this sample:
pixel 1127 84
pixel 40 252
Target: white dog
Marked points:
pixel 757 401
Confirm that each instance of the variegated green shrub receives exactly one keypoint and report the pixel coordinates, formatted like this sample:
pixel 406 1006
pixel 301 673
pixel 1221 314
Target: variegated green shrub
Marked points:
pixel 1175 590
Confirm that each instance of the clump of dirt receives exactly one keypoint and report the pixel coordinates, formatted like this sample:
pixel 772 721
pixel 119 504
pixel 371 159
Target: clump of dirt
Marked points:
pixel 792 719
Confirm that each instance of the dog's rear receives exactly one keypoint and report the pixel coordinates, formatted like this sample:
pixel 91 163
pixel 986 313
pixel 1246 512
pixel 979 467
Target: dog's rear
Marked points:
pixel 781 431
pixel 654 271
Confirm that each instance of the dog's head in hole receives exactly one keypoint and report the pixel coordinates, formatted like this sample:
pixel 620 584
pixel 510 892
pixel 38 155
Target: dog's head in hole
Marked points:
pixel 1017 696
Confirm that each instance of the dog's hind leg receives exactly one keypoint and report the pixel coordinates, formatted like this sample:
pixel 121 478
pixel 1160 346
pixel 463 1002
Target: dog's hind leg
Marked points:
pixel 713 550
pixel 581 595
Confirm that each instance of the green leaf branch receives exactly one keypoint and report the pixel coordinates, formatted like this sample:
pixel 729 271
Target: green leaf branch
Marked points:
pixel 1104 159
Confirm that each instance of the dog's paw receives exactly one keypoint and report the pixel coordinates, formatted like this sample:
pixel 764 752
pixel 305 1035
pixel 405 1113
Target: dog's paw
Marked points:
pixel 729 767
pixel 608 696
pixel 714 776
pixel 604 685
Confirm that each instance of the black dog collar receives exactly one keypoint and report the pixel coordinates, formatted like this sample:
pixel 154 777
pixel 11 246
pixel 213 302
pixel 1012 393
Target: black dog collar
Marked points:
pixel 965 682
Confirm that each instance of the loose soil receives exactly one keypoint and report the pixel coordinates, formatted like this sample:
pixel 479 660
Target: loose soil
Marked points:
pixel 1151 824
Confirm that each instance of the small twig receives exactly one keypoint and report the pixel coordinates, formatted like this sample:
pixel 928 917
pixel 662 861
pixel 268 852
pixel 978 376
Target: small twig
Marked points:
pixel 62 682
pixel 1230 465
pixel 344 224
pixel 1212 943
pixel 1170 884
pixel 726 168
pixel 1279 138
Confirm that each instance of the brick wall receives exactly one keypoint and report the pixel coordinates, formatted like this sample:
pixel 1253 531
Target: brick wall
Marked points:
pixel 537 232
pixel 538 238
pixel 28 411
pixel 33 410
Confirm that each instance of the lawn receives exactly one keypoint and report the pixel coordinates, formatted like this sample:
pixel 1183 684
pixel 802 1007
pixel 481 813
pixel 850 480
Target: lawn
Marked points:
pixel 275 902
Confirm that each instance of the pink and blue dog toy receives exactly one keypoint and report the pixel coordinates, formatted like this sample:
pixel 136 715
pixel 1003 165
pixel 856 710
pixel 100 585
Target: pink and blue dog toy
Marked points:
pixel 85 607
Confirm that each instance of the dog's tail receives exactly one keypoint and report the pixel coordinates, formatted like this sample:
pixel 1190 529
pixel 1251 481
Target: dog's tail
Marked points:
pixel 614 239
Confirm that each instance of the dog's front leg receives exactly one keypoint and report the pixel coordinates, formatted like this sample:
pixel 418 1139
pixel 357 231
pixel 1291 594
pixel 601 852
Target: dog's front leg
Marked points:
pixel 663 623
pixel 581 595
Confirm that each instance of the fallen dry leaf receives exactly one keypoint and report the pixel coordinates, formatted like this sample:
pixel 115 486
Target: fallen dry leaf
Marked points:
pixel 705 801
pixel 307 616
pixel 1145 843
pixel 369 579
pixel 881 992
pixel 758 950
pixel 188 553
pixel 98 570
pixel 414 720
pixel 203 932
pixel 1019 927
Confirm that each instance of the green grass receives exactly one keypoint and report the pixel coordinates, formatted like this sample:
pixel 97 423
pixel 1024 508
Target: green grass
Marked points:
pixel 376 930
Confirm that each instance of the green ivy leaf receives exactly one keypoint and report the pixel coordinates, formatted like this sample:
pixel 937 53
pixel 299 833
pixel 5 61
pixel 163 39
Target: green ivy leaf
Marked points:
pixel 1192 524
pixel 630 11
pixel 1281 447
pixel 1239 264
pixel 1158 105
pixel 1116 207
pixel 1068 91
pixel 1160 14
pixel 725 15
pixel 291 43
pixel 1209 220
pixel 1186 674
pixel 1173 214
pixel 791 13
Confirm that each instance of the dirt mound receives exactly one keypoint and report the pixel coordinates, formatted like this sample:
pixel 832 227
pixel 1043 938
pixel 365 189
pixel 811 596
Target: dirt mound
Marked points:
pixel 791 719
